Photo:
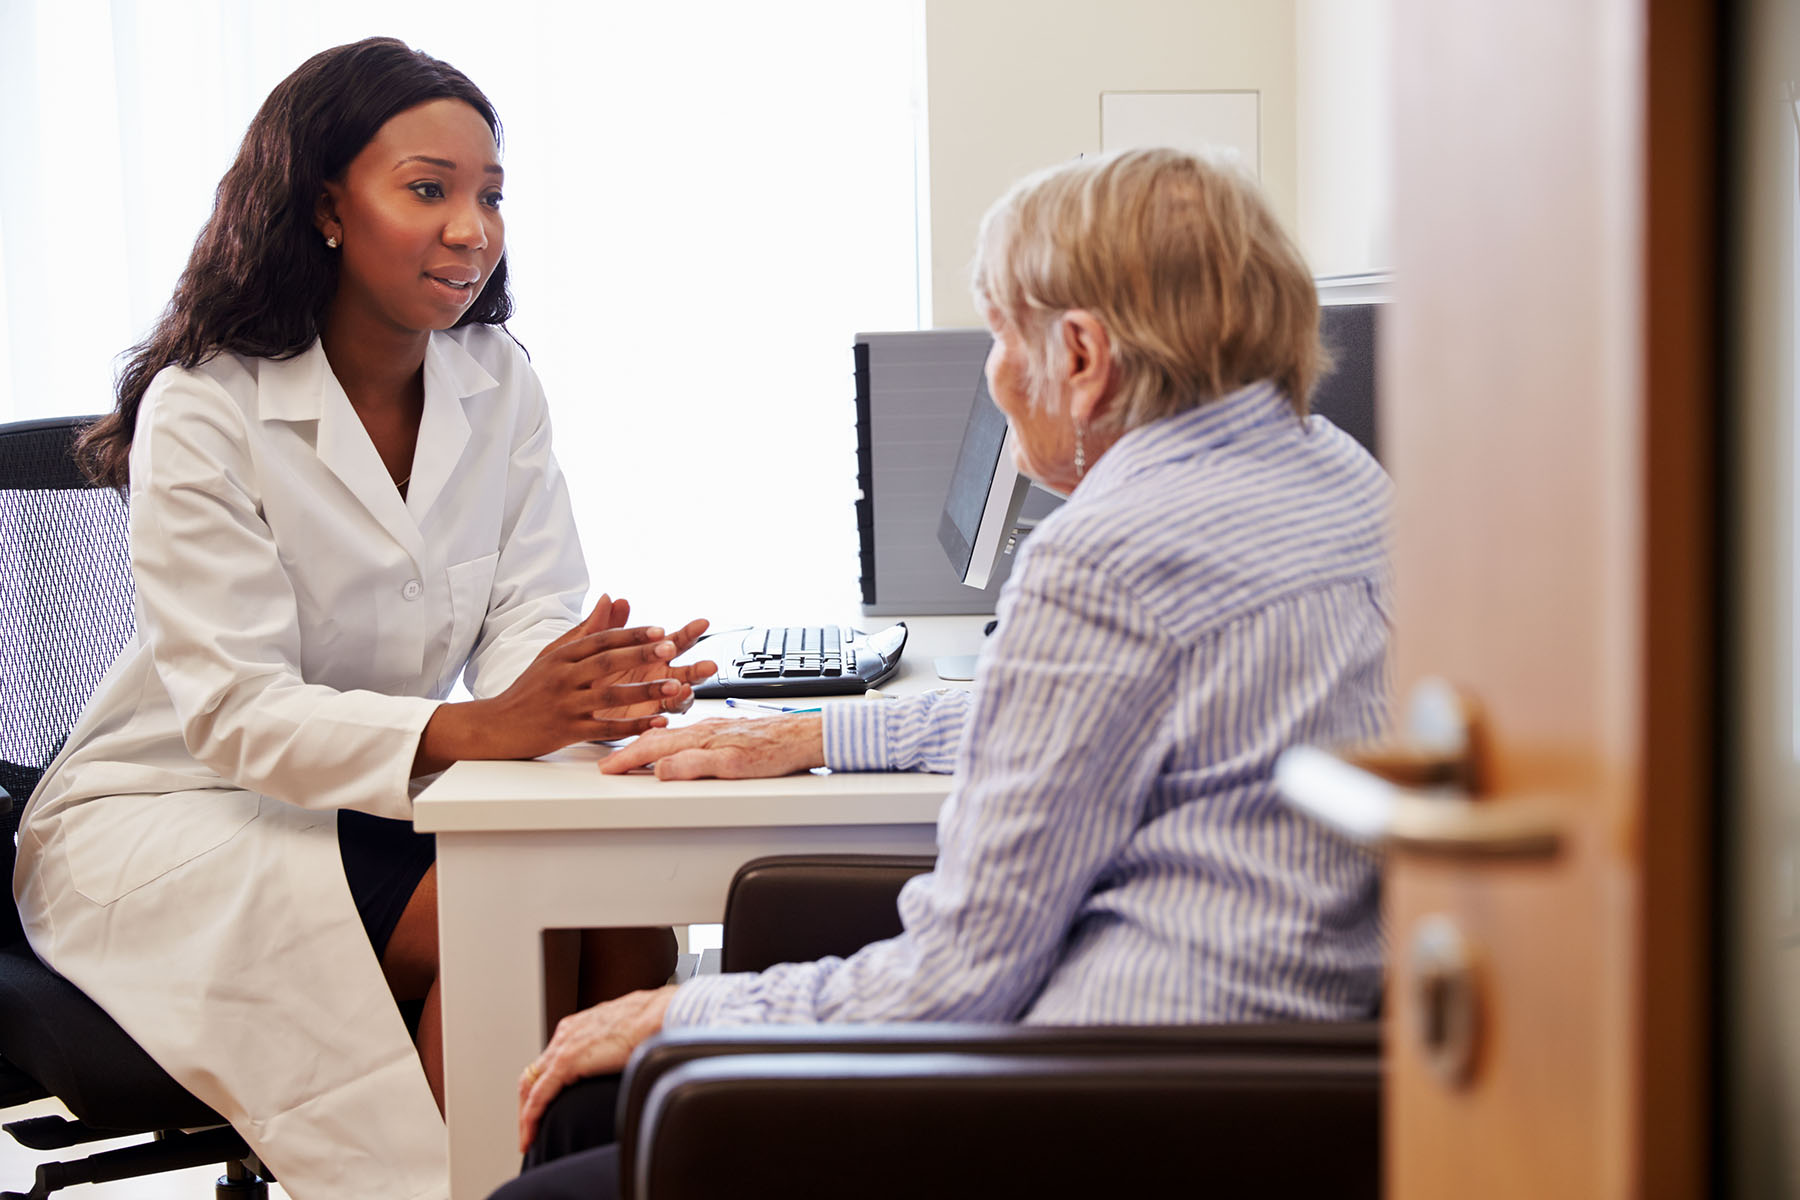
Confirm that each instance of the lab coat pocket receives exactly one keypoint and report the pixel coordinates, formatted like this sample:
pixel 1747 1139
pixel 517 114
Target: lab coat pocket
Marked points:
pixel 471 588
pixel 118 844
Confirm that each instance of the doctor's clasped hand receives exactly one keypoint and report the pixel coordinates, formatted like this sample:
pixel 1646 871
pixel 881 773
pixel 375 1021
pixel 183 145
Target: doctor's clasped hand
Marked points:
pixel 598 681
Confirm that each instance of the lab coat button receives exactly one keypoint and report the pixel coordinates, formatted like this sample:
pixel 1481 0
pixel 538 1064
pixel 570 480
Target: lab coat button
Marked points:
pixel 412 589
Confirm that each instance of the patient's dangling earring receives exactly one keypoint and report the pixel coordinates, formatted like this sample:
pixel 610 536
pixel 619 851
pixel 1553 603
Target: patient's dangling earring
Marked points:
pixel 331 243
pixel 1080 455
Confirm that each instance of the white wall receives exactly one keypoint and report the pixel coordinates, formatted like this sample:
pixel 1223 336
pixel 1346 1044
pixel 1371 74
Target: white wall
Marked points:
pixel 1012 87
pixel 1343 135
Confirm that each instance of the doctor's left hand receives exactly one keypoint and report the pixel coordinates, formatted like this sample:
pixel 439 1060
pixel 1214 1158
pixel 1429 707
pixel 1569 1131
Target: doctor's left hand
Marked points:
pixel 595 1041
pixel 631 690
pixel 598 681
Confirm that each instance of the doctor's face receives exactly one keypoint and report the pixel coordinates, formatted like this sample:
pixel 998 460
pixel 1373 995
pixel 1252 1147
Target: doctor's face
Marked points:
pixel 417 217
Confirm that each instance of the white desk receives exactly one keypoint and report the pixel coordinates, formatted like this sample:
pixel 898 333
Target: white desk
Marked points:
pixel 549 844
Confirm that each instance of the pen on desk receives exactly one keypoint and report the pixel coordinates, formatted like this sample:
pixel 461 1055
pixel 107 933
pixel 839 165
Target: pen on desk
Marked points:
pixel 734 702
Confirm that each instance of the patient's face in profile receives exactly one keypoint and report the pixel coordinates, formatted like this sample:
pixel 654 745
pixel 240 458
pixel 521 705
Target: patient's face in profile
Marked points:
pixel 1046 438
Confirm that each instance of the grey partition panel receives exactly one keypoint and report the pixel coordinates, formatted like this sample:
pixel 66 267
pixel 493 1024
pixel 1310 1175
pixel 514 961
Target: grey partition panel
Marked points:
pixel 914 392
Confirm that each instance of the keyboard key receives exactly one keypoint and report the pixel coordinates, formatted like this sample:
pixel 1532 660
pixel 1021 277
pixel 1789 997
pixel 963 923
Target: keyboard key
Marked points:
pixel 759 672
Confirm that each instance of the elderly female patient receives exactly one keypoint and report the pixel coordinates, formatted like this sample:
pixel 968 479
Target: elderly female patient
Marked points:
pixel 1215 589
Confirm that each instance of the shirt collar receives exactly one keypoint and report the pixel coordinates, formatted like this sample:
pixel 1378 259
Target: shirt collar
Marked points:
pixel 295 389
pixel 1186 434
pixel 303 388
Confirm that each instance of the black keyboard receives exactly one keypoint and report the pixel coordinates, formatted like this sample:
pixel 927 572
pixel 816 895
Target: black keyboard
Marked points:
pixel 802 660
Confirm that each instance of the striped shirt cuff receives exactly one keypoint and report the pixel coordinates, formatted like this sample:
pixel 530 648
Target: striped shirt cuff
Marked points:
pixel 856 736
pixel 700 999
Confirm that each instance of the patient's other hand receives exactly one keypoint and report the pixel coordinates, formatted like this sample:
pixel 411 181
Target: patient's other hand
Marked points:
pixel 727 749
pixel 595 1041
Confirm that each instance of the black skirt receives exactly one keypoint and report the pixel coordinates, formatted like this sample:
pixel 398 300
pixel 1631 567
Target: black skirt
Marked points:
pixel 384 860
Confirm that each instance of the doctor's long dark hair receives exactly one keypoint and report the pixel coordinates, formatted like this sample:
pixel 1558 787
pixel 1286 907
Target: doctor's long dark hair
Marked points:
pixel 260 276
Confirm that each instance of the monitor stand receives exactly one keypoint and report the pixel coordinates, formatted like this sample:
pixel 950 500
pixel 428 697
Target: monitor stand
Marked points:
pixel 958 668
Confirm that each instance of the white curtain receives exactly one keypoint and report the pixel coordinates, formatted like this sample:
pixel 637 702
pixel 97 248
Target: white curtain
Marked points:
pixel 704 201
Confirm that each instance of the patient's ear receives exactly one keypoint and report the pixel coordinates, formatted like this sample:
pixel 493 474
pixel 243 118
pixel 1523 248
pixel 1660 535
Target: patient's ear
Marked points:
pixel 1087 351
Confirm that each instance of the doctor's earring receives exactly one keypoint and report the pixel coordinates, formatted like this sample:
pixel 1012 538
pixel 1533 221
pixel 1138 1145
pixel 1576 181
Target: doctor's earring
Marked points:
pixel 331 242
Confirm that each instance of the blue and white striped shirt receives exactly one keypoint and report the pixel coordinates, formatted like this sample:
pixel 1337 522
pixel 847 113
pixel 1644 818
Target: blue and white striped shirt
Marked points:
pixel 1113 850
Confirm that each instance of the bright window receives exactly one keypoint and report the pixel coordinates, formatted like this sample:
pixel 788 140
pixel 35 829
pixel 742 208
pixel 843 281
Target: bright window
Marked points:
pixel 705 202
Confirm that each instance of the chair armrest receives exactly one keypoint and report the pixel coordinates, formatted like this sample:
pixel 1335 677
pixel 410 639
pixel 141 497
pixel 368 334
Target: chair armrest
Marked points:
pixel 943 1110
pixel 798 907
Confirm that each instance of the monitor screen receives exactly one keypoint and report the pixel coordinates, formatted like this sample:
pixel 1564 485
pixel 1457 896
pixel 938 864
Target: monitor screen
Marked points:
pixel 1345 396
pixel 986 491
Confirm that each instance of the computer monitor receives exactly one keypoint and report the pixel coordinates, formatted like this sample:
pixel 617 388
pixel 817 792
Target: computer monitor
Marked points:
pixel 1345 396
pixel 986 492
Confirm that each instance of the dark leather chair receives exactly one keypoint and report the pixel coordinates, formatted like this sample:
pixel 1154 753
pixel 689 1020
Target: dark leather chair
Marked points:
pixel 65 612
pixel 1288 1110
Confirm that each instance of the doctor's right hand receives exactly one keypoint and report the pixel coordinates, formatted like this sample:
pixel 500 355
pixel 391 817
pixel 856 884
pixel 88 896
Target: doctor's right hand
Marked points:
pixel 598 681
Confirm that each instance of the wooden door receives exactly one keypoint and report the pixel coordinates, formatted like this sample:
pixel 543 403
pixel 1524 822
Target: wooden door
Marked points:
pixel 1548 414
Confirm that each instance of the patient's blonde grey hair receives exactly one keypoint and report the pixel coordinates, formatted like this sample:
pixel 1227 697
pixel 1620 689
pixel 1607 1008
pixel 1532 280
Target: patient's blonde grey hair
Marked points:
pixel 1199 288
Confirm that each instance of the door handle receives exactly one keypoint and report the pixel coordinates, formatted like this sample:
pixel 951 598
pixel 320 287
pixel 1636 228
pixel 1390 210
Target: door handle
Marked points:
pixel 1419 798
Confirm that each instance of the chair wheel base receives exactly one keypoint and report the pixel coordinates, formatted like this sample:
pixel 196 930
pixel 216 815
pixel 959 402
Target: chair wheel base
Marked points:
pixel 39 1191
pixel 243 1180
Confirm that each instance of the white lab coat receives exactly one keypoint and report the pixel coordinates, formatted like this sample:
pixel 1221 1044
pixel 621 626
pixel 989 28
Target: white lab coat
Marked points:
pixel 297 624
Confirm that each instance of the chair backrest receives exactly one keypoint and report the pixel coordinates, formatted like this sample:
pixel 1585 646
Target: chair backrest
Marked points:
pixel 65 600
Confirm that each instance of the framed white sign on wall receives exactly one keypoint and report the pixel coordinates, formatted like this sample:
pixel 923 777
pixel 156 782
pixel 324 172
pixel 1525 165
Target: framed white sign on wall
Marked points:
pixel 1225 123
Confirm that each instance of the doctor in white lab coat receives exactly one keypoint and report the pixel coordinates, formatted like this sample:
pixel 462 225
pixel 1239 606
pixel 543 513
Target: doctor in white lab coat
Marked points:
pixel 322 544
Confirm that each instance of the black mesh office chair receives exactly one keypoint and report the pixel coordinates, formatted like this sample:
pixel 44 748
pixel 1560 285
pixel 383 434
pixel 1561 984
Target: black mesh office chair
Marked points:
pixel 904 1110
pixel 65 612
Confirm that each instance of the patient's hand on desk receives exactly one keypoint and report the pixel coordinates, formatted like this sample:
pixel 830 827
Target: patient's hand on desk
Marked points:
pixel 741 749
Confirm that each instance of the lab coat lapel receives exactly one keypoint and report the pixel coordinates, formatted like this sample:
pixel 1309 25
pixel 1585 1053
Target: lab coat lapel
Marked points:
pixel 451 376
pixel 303 388
pixel 345 448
